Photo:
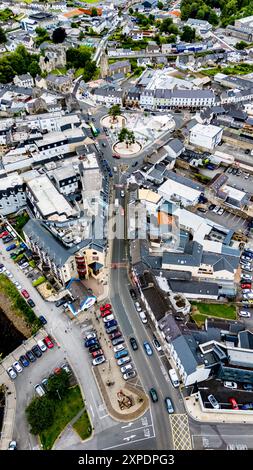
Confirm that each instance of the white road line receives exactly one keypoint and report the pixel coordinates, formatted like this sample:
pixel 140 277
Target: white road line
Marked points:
pixel 137 429
pixel 92 412
pixel 125 443
pixel 127 426
pixel 102 417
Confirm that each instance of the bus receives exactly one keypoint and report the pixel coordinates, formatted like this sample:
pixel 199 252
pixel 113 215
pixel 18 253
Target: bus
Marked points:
pixel 94 130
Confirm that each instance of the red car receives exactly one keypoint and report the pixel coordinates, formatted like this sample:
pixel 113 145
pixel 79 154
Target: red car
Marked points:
pixel 97 353
pixel 4 234
pixel 48 342
pixel 117 334
pixel 245 286
pixel 57 370
pixel 105 313
pixel 25 294
pixel 105 307
pixel 115 156
pixel 233 403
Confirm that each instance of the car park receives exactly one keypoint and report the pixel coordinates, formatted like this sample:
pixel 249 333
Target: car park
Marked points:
pixel 17 367
pixel 137 306
pixel 212 400
pixel 31 303
pixel 248 387
pixel 25 294
pixel 98 360
pixel 120 354
pixel 48 342
pixel 11 372
pixel 42 320
pixel 36 351
pixel 116 341
pixel 123 360
pixel 169 405
pixel 108 318
pixel 157 344
pixel 30 355
pixel 42 345
pixel 24 361
pixel 153 395
pixel 97 353
pixel 39 390
pixel 126 368
pixel 233 403
pixel 232 385
pixel 148 348
pixel 129 375
pixel 119 347
pixel 134 344
pixel 143 317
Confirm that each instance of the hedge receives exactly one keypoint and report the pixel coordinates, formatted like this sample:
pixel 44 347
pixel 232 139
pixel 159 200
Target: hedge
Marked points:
pixel 39 281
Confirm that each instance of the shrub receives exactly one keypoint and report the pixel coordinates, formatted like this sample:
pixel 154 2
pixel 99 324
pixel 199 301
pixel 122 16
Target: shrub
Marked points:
pixel 39 281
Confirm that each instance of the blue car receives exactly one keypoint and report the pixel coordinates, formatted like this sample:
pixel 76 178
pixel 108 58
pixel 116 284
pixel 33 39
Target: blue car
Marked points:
pixel 148 349
pixel 24 361
pixel 120 354
pixel 247 406
pixel 110 323
pixel 42 320
pixel 90 342
pixel 23 245
pixel 11 247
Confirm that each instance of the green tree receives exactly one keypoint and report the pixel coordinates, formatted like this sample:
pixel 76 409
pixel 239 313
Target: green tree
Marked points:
pixel 164 26
pixel 81 36
pixel 3 37
pixel 127 136
pixel 94 12
pixel 59 35
pixel 58 385
pixel 130 10
pixel 114 111
pixel 173 29
pixel 40 414
pixel 34 69
pixel 241 45
pixel 188 34
pixel 160 5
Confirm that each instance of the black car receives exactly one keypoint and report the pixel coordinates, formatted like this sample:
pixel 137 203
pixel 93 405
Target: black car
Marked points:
pixel 211 207
pixel 95 347
pixel 42 320
pixel 7 239
pixel 36 351
pixel 153 395
pixel 24 361
pixel 31 303
pixel 133 294
pixel 134 344
pixel 134 164
pixel 61 302
pixel 103 144
pixel 31 356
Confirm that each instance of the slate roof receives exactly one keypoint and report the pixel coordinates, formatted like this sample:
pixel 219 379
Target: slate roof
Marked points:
pixel 185 347
pixel 176 145
pixel 191 256
pixel 194 287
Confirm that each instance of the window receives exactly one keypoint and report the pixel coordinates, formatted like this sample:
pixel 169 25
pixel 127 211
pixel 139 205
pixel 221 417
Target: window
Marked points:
pixel 94 252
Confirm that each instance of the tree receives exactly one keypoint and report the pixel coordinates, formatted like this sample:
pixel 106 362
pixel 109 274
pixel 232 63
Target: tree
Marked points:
pixel 160 5
pixel 164 26
pixel 3 37
pixel 94 12
pixel 81 36
pixel 241 45
pixel 127 136
pixel 130 10
pixel 34 69
pixel 188 34
pixel 42 35
pixel 58 385
pixel 40 414
pixel 59 35
pixel 114 111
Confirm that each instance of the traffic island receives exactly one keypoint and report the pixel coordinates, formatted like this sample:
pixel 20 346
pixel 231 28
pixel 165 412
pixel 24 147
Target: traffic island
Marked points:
pixel 127 151
pixel 113 123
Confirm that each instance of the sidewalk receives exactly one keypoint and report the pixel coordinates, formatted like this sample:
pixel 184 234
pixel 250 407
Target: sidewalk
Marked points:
pixel 194 410
pixel 9 409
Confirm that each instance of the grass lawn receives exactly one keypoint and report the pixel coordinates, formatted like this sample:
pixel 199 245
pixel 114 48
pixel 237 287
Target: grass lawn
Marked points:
pixel 83 426
pixel 202 311
pixel 61 71
pixel 79 72
pixel 199 318
pixel 65 410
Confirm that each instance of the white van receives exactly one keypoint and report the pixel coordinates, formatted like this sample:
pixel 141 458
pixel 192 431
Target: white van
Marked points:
pixel 39 390
pixel 174 377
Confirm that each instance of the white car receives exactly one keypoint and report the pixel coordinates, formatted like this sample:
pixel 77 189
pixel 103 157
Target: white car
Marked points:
pixel 91 335
pixel 108 318
pixel 143 317
pixel 11 373
pixel 137 306
pixel 42 345
pixel 8 273
pixel 98 360
pixel 244 313
pixel 17 367
pixel 118 348
pixel 221 211
pixel 24 265
pixel 126 368
pixel 247 277
pixel 122 193
pixel 246 291
pixel 216 209
pixel 232 385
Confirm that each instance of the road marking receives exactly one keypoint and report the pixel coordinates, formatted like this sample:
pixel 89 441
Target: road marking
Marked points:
pixel 129 437
pixel 127 426
pixel 137 429
pixel 125 443
pixel 92 412
pixel 180 432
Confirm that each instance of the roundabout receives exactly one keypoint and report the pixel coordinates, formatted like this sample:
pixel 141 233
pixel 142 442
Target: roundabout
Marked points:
pixel 127 151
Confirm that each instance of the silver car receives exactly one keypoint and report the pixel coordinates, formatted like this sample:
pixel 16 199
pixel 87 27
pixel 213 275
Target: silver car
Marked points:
pixel 11 372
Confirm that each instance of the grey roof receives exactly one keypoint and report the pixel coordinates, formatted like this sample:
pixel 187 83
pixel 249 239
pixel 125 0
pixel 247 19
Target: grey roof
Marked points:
pixel 186 353
pixel 186 181
pixel 191 256
pixel 108 92
pixel 194 287
pixel 246 339
pixel 119 64
pixel 176 145
pixel 220 261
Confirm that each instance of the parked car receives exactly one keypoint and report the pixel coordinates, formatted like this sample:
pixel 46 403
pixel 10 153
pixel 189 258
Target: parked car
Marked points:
pixel 115 335
pixel 246 286
pixel 97 353
pixel 233 403
pixel 119 340
pixel 247 406
pixel 213 402
pixel 143 317
pixel 11 247
pixel 4 234
pixel 31 303
pixel 95 347
pixel 108 318
pixel 12 445
pixel 48 342
pixel 153 395
pixel 129 375
pixel 216 209
pixel 42 320
pixel 248 387
pixel 111 329
pixel 134 164
pixel 44 384
pixel 211 207
pixel 36 351
pixel 110 323
pixel 221 211
pixel 17 367
pixel 11 372
pixel 247 277
pixel 148 348
pixel 126 368
pixel 60 302
pixel 120 354
pixel 137 306
pixel 119 347
pixel 7 239
pixel 42 345
pixel 106 313
pixel 232 385
pixel 30 355
pixel 90 342
pixel 98 360
pixel 123 360
pixel 91 335
pixel 244 313
pixel 133 293
pixel 25 294
pixel 134 344
pixel 157 344
pixel 24 361
pixel 169 405
pixel 105 307
pixel 9 274
pixel 115 155
pixel 39 390
pixel 66 367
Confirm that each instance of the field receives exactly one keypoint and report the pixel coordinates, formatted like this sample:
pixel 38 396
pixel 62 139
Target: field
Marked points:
pixel 201 311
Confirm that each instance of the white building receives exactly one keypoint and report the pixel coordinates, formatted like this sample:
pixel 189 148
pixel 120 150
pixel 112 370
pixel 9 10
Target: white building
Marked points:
pixel 178 192
pixel 25 81
pixel 206 136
